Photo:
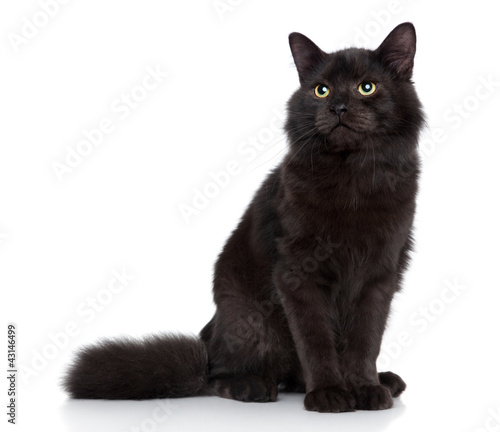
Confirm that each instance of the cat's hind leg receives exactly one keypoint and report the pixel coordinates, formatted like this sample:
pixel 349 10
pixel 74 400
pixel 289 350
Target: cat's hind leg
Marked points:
pixel 245 388
pixel 249 351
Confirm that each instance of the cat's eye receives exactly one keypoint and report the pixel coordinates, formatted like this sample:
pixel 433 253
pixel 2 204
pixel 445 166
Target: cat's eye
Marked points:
pixel 366 88
pixel 322 91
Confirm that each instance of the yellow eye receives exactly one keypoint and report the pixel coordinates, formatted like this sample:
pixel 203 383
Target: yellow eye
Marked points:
pixel 322 91
pixel 367 88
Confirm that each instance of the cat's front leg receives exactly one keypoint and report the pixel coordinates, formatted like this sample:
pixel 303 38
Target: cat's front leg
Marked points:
pixel 363 346
pixel 310 324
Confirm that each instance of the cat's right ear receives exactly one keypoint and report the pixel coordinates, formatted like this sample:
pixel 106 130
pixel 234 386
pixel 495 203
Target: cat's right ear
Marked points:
pixel 306 54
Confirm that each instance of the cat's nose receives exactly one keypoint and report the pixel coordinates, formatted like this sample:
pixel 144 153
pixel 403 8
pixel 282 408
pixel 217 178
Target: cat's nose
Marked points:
pixel 339 109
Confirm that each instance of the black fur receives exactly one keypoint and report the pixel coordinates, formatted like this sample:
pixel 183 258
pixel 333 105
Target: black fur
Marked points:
pixel 304 284
pixel 136 369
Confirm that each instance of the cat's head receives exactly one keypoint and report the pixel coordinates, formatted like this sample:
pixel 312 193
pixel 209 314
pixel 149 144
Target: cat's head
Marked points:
pixel 355 97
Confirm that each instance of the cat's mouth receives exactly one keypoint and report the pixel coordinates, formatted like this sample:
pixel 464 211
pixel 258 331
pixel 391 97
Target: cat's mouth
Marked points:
pixel 339 124
pixel 336 128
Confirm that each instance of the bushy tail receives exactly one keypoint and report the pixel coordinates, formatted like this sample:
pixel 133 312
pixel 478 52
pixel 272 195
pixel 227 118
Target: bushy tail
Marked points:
pixel 163 366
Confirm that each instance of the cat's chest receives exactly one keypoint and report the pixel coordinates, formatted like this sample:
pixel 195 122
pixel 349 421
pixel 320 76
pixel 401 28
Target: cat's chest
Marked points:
pixel 364 215
pixel 347 200
pixel 345 208
pixel 356 225
pixel 363 230
pixel 345 244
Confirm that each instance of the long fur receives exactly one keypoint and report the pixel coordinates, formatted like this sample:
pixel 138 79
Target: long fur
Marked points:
pixel 162 366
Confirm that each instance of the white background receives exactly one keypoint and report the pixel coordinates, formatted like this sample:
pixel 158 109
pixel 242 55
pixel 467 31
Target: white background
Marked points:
pixel 229 72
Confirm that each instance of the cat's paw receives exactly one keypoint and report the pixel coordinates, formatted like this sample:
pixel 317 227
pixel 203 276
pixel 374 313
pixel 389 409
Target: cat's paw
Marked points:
pixel 394 382
pixel 373 397
pixel 331 399
pixel 249 388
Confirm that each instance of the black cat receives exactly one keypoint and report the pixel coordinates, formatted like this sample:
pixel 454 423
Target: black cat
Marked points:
pixel 304 284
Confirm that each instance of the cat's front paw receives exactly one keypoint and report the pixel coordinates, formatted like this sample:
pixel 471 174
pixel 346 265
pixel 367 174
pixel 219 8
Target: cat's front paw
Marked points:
pixel 373 397
pixel 331 399
pixel 393 381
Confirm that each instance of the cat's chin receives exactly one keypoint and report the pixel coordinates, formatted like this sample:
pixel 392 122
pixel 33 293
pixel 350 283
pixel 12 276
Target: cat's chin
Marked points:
pixel 344 137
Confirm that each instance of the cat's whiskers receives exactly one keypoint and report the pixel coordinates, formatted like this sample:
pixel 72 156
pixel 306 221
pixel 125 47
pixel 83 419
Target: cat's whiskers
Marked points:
pixel 284 135
pixel 300 149
pixel 372 147
pixel 269 160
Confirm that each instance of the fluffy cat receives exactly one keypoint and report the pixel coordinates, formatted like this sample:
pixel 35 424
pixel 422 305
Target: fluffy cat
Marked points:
pixel 304 284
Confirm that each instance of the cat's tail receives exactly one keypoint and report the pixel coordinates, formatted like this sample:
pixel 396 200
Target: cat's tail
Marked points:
pixel 162 366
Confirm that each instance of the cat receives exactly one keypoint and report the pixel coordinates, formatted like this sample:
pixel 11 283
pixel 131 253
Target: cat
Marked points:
pixel 304 284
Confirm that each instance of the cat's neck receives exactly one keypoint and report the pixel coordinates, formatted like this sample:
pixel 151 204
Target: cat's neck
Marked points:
pixel 350 177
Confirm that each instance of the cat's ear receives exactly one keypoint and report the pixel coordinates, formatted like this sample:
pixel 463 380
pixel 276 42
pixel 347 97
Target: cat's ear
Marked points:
pixel 306 54
pixel 398 50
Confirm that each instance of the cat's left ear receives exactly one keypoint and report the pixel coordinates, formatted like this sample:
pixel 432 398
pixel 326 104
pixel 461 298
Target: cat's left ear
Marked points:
pixel 306 54
pixel 398 50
